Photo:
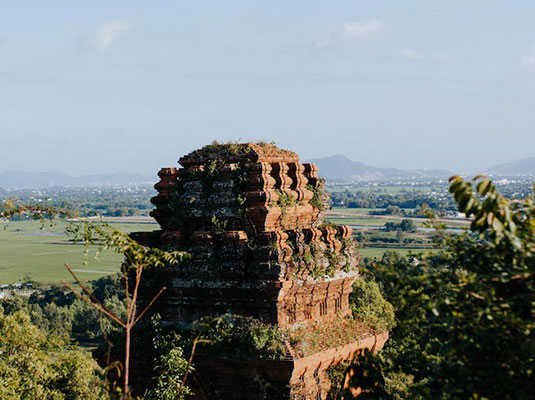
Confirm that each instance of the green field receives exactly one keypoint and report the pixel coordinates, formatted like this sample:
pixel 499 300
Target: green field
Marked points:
pixel 361 217
pixel 377 252
pixel 347 210
pixel 392 189
pixel 25 248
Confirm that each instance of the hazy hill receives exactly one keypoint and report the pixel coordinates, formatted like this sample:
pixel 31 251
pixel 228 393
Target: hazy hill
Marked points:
pixel 526 166
pixel 29 180
pixel 341 167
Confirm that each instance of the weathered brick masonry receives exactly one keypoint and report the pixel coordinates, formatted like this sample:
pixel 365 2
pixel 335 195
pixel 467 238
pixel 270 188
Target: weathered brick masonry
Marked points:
pixel 252 217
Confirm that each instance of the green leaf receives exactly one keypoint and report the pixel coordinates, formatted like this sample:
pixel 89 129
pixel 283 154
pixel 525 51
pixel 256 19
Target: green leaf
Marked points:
pixel 483 187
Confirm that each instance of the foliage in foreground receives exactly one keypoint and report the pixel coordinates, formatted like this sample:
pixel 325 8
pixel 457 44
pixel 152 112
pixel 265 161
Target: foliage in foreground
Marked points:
pixel 465 316
pixel 37 365
pixel 136 259
pixel 171 367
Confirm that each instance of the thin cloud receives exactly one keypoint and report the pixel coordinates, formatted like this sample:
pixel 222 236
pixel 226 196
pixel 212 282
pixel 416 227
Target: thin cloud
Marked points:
pixel 349 31
pixel 325 39
pixel 107 34
pixel 361 30
pixel 442 57
pixel 416 55
pixel 411 54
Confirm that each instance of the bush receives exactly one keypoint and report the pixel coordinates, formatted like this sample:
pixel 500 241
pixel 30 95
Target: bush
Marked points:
pixel 240 337
pixel 369 305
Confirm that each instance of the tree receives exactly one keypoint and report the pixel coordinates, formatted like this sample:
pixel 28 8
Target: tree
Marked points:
pixel 393 210
pixel 407 225
pixel 400 236
pixel 391 226
pixel 465 316
pixel 37 365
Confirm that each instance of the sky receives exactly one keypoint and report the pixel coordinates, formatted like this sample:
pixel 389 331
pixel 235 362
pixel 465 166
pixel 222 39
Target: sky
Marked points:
pixel 130 86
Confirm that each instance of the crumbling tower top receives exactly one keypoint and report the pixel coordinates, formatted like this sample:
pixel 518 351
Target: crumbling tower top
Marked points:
pixel 253 188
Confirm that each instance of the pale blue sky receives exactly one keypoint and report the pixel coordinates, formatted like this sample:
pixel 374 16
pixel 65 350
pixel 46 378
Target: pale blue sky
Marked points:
pixel 90 87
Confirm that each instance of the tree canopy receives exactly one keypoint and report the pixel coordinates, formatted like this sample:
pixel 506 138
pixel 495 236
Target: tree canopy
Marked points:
pixel 37 365
pixel 465 315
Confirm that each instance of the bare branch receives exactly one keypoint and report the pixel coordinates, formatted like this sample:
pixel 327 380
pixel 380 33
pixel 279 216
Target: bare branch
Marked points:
pixel 190 360
pixel 132 308
pixel 86 291
pixel 149 305
pixel 95 305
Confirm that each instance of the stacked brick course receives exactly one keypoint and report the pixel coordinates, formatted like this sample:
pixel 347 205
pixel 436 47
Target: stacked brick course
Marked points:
pixel 251 216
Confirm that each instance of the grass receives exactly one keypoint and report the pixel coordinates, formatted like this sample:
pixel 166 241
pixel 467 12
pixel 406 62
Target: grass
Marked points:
pixel 360 220
pixel 377 252
pixel 308 340
pixel 393 189
pixel 361 217
pixel 347 210
pixel 25 248
pixel 367 221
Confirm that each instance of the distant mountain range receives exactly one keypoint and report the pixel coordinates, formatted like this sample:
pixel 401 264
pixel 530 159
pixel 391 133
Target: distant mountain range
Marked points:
pixel 31 180
pixel 526 166
pixel 339 167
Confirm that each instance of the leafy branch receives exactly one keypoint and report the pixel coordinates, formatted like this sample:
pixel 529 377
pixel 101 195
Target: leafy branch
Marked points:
pixel 137 258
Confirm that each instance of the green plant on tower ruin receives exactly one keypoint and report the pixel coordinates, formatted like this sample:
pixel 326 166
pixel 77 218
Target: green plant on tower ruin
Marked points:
pixel 317 198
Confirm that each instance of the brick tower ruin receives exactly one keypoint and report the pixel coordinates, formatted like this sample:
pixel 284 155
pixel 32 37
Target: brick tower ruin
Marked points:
pixel 252 218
